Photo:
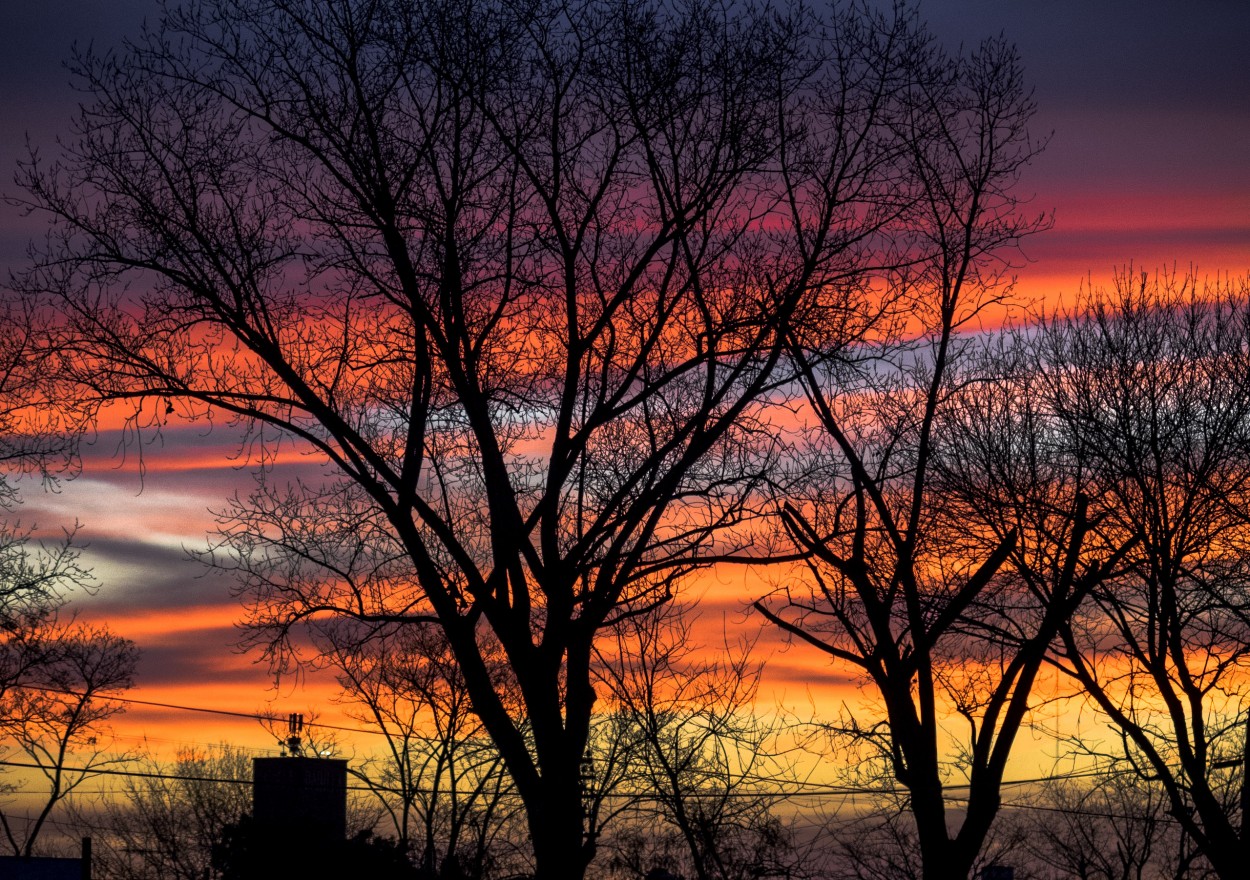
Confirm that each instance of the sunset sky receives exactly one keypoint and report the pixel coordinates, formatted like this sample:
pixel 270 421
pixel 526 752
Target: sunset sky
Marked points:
pixel 1149 164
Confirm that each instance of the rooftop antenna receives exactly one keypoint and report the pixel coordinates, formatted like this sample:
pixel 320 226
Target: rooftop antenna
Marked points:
pixel 293 744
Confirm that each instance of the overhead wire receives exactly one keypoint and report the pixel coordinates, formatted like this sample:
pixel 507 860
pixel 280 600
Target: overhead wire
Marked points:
pixel 827 791
pixel 816 787
pixel 794 789
pixel 253 716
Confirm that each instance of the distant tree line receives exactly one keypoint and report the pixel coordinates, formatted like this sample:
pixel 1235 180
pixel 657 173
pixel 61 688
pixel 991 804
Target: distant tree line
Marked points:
pixel 577 301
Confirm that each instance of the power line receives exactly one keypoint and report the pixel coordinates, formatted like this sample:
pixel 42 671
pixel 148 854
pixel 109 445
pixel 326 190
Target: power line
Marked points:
pixel 815 788
pixel 176 777
pixel 798 789
pixel 808 791
pixel 252 716
pixel 138 774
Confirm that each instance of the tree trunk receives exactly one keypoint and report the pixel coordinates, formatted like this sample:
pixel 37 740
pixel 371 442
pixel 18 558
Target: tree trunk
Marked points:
pixel 556 825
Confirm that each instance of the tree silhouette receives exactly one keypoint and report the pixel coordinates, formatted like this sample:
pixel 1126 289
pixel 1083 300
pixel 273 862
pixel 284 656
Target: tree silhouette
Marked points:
pixel 900 587
pixel 56 674
pixel 695 747
pixel 521 275
pixel 57 712
pixel 439 778
pixel 246 852
pixel 1149 384
pixel 164 823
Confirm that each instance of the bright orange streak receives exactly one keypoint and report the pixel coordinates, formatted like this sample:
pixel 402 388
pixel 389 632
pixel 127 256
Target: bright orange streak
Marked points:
pixel 145 625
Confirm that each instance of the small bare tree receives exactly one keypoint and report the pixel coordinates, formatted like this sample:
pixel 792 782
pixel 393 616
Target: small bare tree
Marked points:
pixel 701 757
pixel 56 716
pixel 440 780
pixel 1111 827
pixel 163 822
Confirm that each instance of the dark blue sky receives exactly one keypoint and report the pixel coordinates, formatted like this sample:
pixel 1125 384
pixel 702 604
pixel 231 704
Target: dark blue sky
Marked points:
pixel 1149 162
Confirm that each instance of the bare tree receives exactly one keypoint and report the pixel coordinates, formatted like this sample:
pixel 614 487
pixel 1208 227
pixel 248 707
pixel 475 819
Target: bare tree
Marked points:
pixel 702 759
pixel 1134 403
pixel 439 779
pixel 165 819
pixel 1111 827
pixel 881 843
pixel 1149 385
pixel 901 588
pixel 56 716
pixel 55 676
pixel 517 273
pixel 35 575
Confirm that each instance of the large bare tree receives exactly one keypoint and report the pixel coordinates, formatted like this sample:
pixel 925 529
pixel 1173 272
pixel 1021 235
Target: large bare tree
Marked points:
pixel 1123 421
pixel 901 586
pixel 520 274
